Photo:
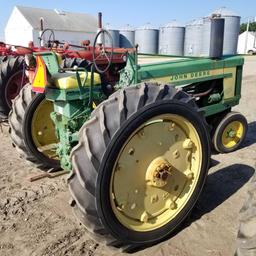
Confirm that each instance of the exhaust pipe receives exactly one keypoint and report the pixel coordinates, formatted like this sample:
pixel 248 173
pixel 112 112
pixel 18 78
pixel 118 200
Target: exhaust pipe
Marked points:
pixel 217 37
pixel 100 20
pixel 100 39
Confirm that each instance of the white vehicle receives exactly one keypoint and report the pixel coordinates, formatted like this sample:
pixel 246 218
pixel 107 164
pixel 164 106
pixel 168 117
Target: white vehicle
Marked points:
pixel 252 51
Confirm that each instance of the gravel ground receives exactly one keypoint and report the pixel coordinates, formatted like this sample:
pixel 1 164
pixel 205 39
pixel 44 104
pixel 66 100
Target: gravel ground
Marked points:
pixel 35 218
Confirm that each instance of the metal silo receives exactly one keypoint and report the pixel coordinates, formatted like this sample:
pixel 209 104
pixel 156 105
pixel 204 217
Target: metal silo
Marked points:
pixel 193 38
pixel 231 31
pixel 127 37
pixel 147 39
pixel 171 39
pixel 115 36
pixel 206 37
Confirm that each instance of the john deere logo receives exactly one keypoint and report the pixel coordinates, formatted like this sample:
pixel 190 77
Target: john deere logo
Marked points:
pixel 192 75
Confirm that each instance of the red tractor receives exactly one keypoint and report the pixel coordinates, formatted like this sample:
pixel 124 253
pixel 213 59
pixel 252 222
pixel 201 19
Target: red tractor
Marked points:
pixel 13 71
pixel 13 67
pixel 107 63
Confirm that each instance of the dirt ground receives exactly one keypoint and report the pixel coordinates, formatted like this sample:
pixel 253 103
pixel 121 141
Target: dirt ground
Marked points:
pixel 35 218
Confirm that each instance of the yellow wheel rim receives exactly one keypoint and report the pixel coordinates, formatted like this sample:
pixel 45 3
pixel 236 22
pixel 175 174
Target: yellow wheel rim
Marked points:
pixel 156 173
pixel 43 131
pixel 232 134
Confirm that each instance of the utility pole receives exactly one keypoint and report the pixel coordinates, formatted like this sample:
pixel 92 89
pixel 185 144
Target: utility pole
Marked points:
pixel 254 44
pixel 246 36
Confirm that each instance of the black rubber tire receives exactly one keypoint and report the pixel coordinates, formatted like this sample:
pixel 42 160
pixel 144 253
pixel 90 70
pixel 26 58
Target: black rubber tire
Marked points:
pixel 220 127
pixel 251 52
pixel 26 102
pixel 9 68
pixel 48 163
pixel 100 140
pixel 20 135
pixel 246 238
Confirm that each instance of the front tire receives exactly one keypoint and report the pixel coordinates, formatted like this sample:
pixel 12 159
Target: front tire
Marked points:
pixel 171 123
pixel 230 133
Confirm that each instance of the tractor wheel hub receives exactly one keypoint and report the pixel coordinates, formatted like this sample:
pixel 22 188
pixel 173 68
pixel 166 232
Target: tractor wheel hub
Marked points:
pixel 158 172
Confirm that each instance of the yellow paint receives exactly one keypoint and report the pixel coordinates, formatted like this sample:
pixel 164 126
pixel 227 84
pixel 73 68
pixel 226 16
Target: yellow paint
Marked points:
pixel 194 75
pixel 232 134
pixel 94 105
pixel 68 80
pixel 140 201
pixel 229 83
pixel 40 79
pixel 43 130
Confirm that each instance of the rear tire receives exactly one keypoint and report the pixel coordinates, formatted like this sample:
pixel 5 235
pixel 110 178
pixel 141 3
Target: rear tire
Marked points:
pixel 20 119
pixel 101 140
pixel 20 116
pixel 247 231
pixel 11 74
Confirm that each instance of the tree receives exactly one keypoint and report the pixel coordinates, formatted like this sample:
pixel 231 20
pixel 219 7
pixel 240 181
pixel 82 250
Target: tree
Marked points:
pixel 252 27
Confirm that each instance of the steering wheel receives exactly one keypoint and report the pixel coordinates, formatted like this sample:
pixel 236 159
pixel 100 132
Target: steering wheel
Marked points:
pixel 51 37
pixel 101 35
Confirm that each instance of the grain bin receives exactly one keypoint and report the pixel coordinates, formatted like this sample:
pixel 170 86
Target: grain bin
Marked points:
pixel 231 31
pixel 206 37
pixel 207 27
pixel 115 36
pixel 171 39
pixel 127 37
pixel 193 38
pixel 147 39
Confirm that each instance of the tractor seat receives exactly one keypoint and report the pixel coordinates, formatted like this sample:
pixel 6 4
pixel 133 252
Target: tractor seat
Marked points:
pixel 68 80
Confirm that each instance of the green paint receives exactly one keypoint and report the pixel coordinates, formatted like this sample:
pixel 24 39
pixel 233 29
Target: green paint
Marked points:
pixel 73 107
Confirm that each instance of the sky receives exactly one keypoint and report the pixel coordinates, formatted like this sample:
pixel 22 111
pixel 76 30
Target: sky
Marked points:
pixel 135 12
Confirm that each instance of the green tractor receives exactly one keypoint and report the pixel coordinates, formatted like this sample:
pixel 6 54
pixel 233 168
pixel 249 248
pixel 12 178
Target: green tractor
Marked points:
pixel 138 148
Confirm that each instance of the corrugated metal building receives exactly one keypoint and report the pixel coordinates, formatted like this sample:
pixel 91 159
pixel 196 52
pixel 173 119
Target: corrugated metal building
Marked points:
pixel 24 25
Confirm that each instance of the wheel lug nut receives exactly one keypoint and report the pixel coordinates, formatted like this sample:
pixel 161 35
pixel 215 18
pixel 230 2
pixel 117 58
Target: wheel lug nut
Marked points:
pixel 142 133
pixel 172 126
pixel 118 167
pixel 190 176
pixel 131 151
pixel 165 176
pixel 144 217
pixel 170 204
pixel 158 176
pixel 173 206
pixel 187 144
pixel 162 166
